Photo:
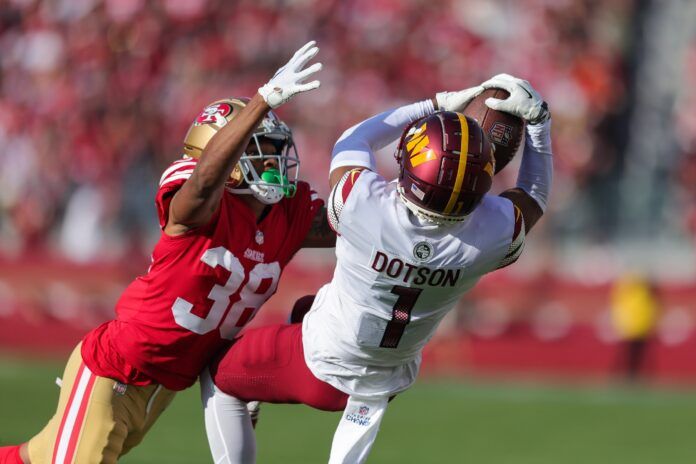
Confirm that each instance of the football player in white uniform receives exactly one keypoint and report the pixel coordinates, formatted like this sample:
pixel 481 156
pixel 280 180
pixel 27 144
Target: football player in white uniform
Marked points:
pixel 407 250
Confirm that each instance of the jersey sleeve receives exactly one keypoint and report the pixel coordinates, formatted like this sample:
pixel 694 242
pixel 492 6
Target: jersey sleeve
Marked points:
pixel 171 181
pixel 517 242
pixel 339 196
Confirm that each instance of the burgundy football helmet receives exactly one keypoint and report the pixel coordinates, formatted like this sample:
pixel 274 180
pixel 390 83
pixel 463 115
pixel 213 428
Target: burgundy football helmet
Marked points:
pixel 446 166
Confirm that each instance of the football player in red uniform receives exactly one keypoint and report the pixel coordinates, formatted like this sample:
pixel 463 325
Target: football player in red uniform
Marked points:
pixel 232 215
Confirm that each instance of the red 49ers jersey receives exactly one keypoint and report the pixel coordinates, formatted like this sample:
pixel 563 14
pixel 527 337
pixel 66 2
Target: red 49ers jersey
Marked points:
pixel 201 289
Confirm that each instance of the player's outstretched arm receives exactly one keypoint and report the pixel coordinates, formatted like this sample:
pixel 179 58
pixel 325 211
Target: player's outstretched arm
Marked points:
pixel 199 197
pixel 355 148
pixel 536 170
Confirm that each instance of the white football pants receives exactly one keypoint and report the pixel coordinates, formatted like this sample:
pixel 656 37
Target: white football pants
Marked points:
pixel 231 436
pixel 228 425
pixel 357 430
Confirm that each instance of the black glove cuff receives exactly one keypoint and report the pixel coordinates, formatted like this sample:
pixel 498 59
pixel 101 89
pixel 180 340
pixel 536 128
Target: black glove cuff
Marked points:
pixel 544 115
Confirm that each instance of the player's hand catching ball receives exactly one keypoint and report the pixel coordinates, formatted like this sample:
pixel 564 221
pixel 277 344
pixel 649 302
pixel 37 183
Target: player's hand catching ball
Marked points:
pixel 524 101
pixel 288 80
pixel 456 101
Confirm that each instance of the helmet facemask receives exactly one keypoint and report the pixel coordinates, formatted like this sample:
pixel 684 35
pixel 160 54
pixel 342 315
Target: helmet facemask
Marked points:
pixel 427 215
pixel 270 185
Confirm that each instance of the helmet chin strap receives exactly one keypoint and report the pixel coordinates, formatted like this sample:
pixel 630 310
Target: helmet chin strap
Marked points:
pixel 428 216
pixel 268 194
pixel 264 194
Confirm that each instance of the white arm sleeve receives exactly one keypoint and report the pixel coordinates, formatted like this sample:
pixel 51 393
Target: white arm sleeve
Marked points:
pixel 536 170
pixel 357 430
pixel 227 424
pixel 357 145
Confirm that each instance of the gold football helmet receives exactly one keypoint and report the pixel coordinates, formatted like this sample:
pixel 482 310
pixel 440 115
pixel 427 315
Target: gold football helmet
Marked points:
pixel 269 186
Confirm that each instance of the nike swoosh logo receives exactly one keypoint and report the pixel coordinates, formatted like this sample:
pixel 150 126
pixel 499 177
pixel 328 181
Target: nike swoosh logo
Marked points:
pixel 527 92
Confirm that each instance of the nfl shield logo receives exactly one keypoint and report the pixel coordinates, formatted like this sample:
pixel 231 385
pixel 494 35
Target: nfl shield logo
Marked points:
pixel 363 411
pixel 259 237
pixel 500 133
pixel 120 388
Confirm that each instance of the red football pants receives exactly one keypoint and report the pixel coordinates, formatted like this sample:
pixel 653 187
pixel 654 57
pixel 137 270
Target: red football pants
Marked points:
pixel 267 364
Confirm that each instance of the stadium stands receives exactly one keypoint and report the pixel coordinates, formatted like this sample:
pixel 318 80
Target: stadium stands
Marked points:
pixel 96 96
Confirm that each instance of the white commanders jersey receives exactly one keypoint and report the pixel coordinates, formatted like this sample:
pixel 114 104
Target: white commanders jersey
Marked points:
pixel 396 277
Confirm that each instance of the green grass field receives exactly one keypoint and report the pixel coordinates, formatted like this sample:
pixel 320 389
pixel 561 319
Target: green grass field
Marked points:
pixel 434 422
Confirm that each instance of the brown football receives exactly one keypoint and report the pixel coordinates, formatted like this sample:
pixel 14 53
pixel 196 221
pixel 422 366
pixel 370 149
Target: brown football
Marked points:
pixel 504 130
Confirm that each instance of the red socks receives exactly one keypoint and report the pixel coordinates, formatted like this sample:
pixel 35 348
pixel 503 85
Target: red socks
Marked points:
pixel 10 455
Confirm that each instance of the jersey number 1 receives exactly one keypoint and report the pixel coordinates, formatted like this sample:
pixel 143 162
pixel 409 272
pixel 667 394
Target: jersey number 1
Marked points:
pixel 263 279
pixel 401 315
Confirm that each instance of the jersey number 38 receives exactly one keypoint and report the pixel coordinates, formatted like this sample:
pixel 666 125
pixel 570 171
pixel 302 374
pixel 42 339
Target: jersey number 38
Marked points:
pixel 263 279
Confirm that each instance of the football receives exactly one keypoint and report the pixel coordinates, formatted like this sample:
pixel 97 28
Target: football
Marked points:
pixel 504 130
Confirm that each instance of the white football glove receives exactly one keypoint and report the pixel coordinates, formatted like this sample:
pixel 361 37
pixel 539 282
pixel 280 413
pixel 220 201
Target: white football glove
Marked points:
pixel 524 101
pixel 456 101
pixel 287 81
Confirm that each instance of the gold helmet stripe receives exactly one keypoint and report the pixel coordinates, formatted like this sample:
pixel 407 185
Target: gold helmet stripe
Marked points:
pixel 461 168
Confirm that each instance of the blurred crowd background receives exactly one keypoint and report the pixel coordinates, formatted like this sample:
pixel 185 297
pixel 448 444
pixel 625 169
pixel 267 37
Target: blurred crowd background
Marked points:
pixel 96 96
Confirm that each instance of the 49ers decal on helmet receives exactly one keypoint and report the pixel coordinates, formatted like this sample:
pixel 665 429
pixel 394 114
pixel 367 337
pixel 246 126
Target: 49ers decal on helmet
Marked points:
pixel 214 114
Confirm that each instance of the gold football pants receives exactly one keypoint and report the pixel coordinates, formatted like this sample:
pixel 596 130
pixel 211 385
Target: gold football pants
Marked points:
pixel 98 419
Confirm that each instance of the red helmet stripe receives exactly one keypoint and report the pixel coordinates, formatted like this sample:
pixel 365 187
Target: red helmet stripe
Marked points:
pixel 461 168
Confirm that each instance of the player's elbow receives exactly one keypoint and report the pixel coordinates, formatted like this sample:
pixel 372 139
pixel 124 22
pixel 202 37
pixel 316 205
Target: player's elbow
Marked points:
pixel 529 207
pixel 204 182
pixel 351 141
pixel 532 215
